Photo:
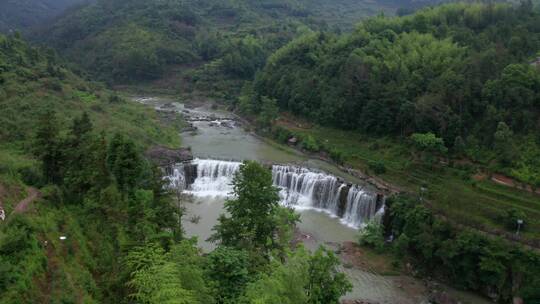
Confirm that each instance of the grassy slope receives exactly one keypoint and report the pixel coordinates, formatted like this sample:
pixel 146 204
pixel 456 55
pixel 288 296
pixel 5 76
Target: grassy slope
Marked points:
pixel 31 82
pixel 29 88
pixel 451 191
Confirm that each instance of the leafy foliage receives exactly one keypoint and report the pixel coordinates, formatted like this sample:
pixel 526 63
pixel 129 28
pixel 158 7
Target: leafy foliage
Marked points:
pixel 155 280
pixel 372 235
pixel 326 284
pixel 463 257
pixel 125 41
pixel 228 269
pixel 251 221
pixel 284 285
pixel 459 72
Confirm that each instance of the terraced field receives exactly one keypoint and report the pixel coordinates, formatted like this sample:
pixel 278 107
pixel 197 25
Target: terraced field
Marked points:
pixel 451 190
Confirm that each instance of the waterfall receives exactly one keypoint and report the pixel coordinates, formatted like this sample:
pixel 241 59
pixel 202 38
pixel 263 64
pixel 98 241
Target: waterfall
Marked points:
pixel 360 207
pixel 213 177
pixel 176 177
pixel 303 188
pixel 299 187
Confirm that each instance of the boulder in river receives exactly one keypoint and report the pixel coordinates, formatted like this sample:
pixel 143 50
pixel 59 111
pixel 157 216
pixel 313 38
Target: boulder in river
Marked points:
pixel 189 128
pixel 227 124
pixel 168 105
pixel 164 156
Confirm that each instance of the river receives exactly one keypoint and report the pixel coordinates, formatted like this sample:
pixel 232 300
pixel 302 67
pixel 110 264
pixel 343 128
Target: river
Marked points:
pixel 219 137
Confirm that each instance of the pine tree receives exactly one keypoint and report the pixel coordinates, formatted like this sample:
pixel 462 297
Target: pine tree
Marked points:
pixel 48 147
pixel 82 151
pixel 251 223
pixel 124 162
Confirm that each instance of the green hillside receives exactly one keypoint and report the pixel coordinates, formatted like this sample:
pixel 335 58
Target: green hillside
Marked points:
pixel 431 105
pixel 441 99
pixel 35 81
pixel 61 142
pixel 462 72
pixel 88 218
pixel 126 41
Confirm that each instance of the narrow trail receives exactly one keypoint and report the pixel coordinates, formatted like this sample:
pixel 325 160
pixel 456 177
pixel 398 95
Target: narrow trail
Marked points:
pixel 510 182
pixel 22 206
pixel 2 212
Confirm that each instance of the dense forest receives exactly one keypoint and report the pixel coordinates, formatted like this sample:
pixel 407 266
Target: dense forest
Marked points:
pixel 464 257
pixel 466 73
pixel 102 226
pixel 125 41
pixel 136 40
pixel 454 89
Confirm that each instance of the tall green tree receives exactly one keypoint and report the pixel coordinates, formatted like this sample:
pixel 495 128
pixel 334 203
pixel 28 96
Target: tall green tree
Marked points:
pixel 124 162
pixel 269 112
pixel 428 145
pixel 48 146
pixel 154 279
pixel 82 157
pixel 326 284
pixel 227 269
pixel 502 144
pixel 250 222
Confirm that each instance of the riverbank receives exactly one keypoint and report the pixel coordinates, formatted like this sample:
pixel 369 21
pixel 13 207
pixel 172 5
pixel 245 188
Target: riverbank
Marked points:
pixel 450 189
pixel 372 281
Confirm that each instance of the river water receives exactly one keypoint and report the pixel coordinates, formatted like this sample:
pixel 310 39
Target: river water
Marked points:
pixel 219 139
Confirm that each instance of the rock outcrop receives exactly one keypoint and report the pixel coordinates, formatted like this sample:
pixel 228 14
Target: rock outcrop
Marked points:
pixel 166 157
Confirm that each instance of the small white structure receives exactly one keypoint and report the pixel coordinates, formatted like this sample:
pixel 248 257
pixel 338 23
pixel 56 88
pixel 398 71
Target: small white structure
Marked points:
pixel 536 62
pixel 2 214
pixel 63 238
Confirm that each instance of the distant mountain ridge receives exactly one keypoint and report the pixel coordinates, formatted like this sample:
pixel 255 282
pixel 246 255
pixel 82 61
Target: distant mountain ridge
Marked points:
pixel 24 14
pixel 132 40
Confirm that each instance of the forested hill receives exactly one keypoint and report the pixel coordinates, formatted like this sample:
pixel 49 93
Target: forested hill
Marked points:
pixel 86 218
pixel 124 41
pixel 24 14
pixel 34 81
pixel 70 152
pixel 463 72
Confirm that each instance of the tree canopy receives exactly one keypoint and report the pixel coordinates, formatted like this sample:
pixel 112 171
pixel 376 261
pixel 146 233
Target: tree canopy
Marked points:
pixel 456 71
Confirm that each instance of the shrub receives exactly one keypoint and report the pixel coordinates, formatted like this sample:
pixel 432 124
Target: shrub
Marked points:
pixel 115 98
pixel 511 217
pixel 31 175
pixel 372 236
pixel 337 156
pixel 53 194
pixel 309 143
pixel 377 166
pixel 281 134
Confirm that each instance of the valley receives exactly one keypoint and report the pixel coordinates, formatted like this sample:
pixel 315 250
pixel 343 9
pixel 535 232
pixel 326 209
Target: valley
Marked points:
pixel 219 143
pixel 269 152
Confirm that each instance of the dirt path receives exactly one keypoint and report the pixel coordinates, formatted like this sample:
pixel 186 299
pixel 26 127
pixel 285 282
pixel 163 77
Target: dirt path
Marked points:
pixel 23 205
pixel 2 211
pixel 509 182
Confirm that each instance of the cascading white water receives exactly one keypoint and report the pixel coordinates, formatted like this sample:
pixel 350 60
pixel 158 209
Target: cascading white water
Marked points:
pixel 214 177
pixel 176 178
pixel 304 188
pixel 361 206
pixel 299 188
